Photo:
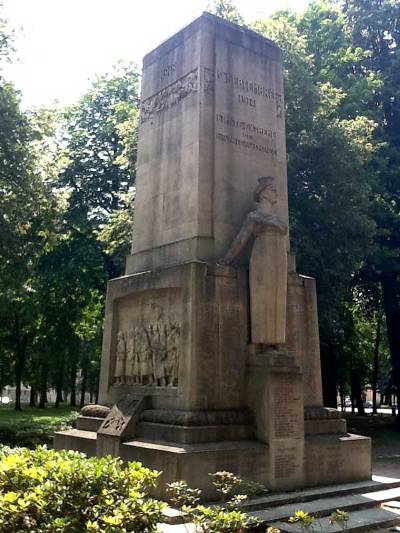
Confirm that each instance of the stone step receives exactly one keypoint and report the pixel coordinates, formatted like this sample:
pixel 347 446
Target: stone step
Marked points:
pixel 326 506
pixel 88 423
pixel 274 499
pixel 76 439
pixel 194 434
pixel 365 520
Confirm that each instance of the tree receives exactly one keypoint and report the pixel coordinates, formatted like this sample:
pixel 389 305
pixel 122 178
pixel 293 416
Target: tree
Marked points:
pixel 25 205
pixel 95 147
pixel 226 10
pixel 374 27
pixel 329 185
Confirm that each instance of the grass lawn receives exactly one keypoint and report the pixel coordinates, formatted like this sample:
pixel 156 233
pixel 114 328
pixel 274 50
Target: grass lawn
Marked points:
pixel 8 413
pixel 385 436
pixel 33 426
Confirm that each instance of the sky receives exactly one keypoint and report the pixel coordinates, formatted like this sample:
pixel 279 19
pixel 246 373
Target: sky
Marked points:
pixel 62 44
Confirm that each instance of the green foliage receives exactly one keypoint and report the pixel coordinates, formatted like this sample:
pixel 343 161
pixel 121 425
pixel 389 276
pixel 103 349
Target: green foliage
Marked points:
pixel 33 427
pixel 225 517
pixel 44 490
pixel 181 495
pixel 216 519
pixel 339 517
pixel 225 483
pixel 305 520
pixel 99 132
pixel 226 10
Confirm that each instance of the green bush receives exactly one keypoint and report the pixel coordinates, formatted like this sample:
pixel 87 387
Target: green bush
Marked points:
pixel 33 427
pixel 48 491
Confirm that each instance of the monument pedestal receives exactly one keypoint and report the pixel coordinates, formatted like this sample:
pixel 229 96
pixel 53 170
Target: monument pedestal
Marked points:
pixel 234 406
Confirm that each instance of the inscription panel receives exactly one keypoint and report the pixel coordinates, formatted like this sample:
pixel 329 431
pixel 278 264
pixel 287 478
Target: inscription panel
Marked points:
pixel 286 462
pixel 286 408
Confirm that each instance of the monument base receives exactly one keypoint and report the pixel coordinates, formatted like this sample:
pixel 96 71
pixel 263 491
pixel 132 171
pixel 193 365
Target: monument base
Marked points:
pixel 227 405
pixel 327 459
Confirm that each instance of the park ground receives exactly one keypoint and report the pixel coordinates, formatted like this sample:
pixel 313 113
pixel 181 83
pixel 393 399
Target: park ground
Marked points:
pixel 385 441
pixel 33 426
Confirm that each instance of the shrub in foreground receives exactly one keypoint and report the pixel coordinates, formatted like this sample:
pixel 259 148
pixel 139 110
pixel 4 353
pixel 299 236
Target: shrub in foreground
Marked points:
pixel 47 491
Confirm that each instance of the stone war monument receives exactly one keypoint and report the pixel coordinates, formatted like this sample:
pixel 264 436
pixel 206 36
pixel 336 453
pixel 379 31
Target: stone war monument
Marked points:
pixel 211 347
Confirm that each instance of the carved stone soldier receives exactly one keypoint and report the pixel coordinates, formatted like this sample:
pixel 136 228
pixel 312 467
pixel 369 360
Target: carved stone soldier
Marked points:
pixel 136 364
pixel 120 360
pixel 268 265
pixel 171 365
pixel 130 354
pixel 146 356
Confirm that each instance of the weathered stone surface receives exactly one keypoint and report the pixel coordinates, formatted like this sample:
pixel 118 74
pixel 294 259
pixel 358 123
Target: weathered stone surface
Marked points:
pixel 303 334
pixel 209 304
pixel 268 265
pixel 98 411
pixel 89 423
pixel 211 125
pixel 119 425
pixel 75 439
pixel 194 462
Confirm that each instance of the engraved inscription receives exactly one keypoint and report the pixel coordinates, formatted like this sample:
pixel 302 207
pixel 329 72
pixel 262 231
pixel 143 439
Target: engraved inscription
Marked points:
pixel 285 463
pixel 285 409
pixel 168 71
pixel 246 144
pixel 170 96
pixel 252 87
pixel 245 127
pixel 118 418
pixel 114 423
pixel 248 86
pixel 246 100
pixel 247 130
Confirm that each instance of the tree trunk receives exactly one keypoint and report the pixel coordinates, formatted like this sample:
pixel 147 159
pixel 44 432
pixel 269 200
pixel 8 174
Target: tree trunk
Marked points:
pixel 392 312
pixel 357 392
pixel 329 381
pixel 59 393
pixel 83 387
pixel 43 389
pixel 20 358
pixel 32 397
pixel 375 371
pixel 72 401
pixel 342 398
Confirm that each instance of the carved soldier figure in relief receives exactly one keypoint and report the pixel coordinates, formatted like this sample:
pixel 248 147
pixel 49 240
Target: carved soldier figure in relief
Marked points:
pixel 136 364
pixel 120 359
pixel 159 353
pixel 171 364
pixel 268 265
pixel 130 354
pixel 146 356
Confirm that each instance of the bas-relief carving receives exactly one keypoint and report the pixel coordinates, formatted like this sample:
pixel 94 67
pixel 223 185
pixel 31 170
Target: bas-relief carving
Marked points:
pixel 120 358
pixel 148 355
pixel 170 96
pixel 268 266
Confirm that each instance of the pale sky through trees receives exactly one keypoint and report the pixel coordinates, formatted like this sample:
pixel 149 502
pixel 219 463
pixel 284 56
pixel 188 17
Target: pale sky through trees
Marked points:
pixel 63 43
